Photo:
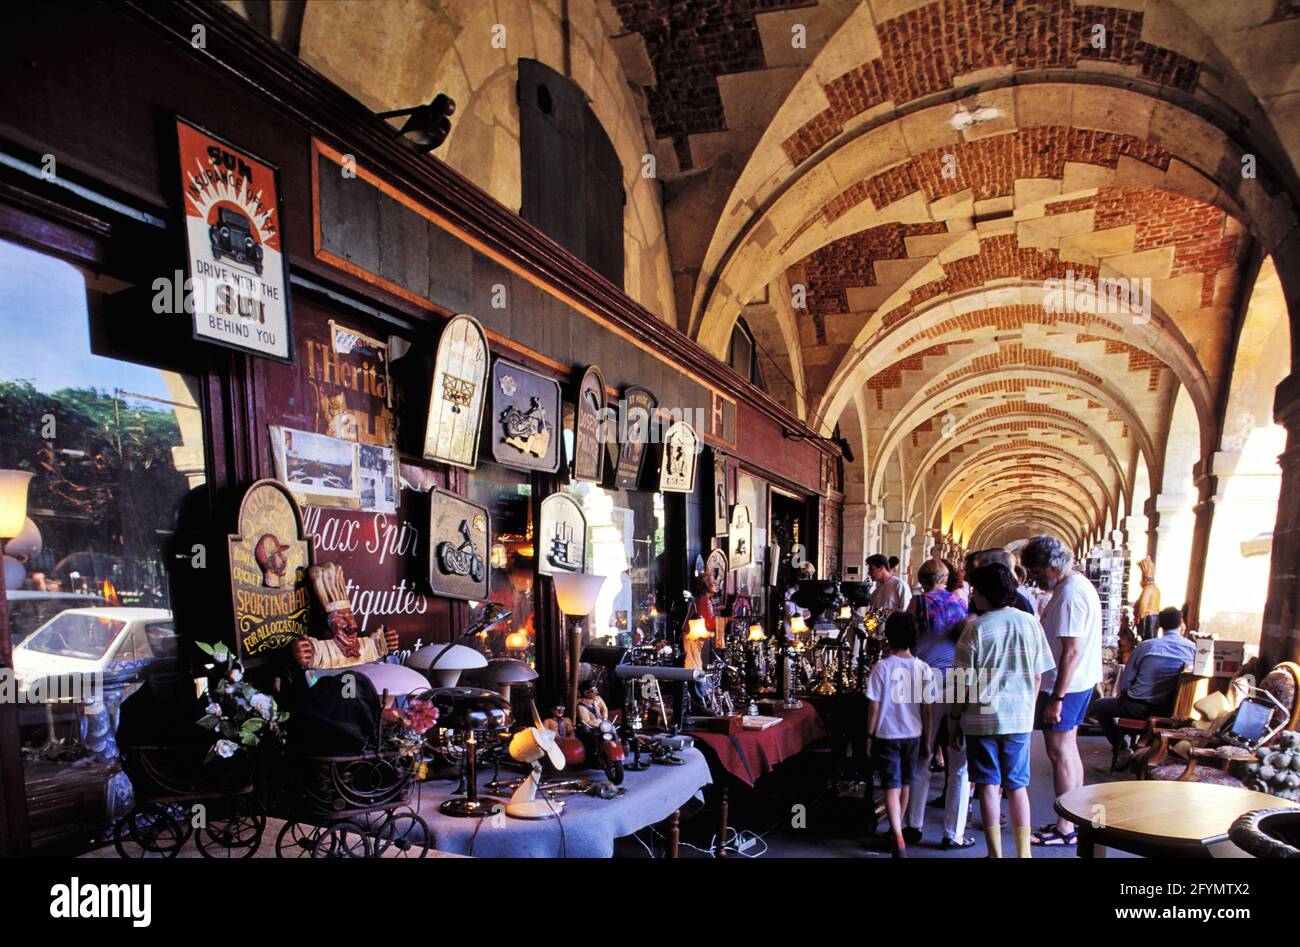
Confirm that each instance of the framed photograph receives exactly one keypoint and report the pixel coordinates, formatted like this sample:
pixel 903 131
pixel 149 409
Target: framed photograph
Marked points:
pixel 721 499
pixel 456 399
pixel 377 469
pixel 460 543
pixel 234 256
pixel 740 538
pixel 318 470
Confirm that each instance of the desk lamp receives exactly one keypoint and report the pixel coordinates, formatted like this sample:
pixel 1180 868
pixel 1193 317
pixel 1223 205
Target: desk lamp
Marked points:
pixel 468 710
pixel 576 594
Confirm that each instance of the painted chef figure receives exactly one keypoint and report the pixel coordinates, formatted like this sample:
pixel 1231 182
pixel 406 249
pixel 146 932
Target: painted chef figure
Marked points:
pixel 346 648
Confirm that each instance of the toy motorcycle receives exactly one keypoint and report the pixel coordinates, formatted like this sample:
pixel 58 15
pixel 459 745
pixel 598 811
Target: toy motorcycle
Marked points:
pixel 594 747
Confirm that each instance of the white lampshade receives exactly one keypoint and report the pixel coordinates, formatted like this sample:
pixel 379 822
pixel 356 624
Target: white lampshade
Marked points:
pixel 695 629
pixel 27 543
pixel 797 624
pixel 576 592
pixel 756 633
pixel 846 612
pixel 443 664
pixel 397 680
pixel 13 502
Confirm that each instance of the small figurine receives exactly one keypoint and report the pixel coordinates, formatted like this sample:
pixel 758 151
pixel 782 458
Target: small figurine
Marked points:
pixel 592 711
pixel 346 648
pixel 558 723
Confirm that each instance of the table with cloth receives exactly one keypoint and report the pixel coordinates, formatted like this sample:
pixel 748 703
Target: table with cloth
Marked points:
pixel 749 755
pixel 588 826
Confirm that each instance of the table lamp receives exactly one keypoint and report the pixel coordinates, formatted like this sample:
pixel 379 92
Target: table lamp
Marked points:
pixel 468 710
pixel 13 506
pixel 756 633
pixel 443 663
pixel 501 673
pixel 576 594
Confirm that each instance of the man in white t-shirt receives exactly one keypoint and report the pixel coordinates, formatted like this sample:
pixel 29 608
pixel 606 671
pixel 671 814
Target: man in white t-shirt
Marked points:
pixel 890 592
pixel 1072 621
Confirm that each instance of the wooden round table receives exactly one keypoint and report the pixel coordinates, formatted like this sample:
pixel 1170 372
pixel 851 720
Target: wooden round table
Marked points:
pixel 1158 819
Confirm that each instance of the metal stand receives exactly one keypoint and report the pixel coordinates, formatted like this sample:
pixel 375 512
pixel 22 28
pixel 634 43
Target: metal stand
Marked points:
pixel 470 805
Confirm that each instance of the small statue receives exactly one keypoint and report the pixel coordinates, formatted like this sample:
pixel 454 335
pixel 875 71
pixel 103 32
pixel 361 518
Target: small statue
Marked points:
pixel 347 648
pixel 558 723
pixel 592 711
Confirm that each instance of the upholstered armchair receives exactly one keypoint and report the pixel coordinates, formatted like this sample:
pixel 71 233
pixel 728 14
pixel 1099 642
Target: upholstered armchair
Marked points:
pixel 1188 753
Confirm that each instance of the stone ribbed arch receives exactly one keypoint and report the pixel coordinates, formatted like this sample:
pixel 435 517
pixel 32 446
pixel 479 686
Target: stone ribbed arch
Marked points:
pixel 990 474
pixel 1064 502
pixel 1039 521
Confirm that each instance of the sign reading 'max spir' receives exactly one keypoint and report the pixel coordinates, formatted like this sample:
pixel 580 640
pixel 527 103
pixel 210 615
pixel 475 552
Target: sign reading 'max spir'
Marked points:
pixel 233 236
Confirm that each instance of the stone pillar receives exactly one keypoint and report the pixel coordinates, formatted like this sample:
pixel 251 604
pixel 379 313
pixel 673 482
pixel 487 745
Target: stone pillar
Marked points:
pixel 1280 636
pixel 875 523
pixel 897 534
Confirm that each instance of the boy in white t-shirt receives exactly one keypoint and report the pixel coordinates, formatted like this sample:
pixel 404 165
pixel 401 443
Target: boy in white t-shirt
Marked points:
pixel 902 694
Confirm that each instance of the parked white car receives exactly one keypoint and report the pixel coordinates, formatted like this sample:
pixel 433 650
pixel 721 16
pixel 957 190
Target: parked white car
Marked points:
pixel 118 643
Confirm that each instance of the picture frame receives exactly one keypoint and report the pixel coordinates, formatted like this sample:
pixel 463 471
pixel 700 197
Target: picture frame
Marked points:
pixel 588 436
pixel 526 418
pixel 458 394
pixel 561 536
pixel 641 407
pixel 681 450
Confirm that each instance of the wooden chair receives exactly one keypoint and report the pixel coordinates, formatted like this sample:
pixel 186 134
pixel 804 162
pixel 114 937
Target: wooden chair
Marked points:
pixel 1131 729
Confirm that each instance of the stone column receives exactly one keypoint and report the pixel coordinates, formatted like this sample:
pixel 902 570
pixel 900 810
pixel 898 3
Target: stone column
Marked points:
pixel 855 531
pixel 1280 637
pixel 1206 490
pixel 875 529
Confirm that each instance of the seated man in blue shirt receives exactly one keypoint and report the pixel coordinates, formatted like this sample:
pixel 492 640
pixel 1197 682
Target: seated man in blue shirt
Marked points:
pixel 1150 680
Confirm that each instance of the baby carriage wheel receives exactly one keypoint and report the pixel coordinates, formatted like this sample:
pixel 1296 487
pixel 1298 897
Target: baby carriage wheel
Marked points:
pixel 298 840
pixel 152 830
pixel 234 829
pixel 404 835
pixel 344 839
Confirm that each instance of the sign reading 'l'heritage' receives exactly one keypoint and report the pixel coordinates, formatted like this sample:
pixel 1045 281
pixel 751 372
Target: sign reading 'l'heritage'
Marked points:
pixel 269 558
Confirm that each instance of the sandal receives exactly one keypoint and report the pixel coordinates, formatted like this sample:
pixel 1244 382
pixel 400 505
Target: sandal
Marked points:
pixel 949 843
pixel 1054 838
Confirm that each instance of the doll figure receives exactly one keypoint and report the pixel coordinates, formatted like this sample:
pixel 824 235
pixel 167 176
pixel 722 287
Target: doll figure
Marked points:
pixel 558 723
pixel 592 711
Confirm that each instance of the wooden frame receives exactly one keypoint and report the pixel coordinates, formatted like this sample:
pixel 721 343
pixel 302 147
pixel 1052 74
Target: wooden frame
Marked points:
pixel 448 395
pixel 588 433
pixel 455 572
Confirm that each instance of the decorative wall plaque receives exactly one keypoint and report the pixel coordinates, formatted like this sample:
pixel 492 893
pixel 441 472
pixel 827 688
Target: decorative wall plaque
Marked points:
pixel 639 415
pixel 716 566
pixel 457 397
pixel 525 418
pixel 588 452
pixel 269 557
pixel 681 448
pixel 740 537
pixel 562 538
pixel 721 501
pixel 460 535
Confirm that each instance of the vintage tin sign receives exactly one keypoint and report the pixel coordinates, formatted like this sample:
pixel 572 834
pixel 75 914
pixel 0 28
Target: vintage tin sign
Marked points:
pixel 740 538
pixel 562 538
pixel 639 415
pixel 681 448
pixel 588 434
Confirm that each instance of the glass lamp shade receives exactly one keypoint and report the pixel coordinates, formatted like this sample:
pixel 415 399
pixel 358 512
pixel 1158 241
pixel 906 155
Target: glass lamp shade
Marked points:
pixel 797 624
pixel 516 641
pixel 695 629
pixel 13 502
pixel 756 633
pixel 576 593
pixel 846 613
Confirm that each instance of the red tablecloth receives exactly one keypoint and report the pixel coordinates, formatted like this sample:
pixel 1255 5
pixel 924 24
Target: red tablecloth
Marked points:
pixel 751 754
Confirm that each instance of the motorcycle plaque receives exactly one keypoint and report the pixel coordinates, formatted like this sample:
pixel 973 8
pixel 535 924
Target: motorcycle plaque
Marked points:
pixel 563 546
pixel 460 535
pixel 525 415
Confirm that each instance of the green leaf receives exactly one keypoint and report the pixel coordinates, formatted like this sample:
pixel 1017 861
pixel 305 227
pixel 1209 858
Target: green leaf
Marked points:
pixel 220 651
pixel 205 648
pixel 252 724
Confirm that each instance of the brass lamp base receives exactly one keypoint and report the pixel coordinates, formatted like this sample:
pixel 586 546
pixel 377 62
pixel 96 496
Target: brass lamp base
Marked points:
pixel 466 808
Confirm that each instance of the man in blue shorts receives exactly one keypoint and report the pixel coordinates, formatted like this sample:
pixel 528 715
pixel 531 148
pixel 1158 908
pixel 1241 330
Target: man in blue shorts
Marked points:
pixel 1005 653
pixel 1072 621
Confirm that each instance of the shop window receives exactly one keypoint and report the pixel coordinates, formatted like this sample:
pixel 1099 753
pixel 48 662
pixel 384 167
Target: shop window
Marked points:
pixel 572 180
pixel 507 495
pixel 743 354
pixel 114 448
pixel 625 540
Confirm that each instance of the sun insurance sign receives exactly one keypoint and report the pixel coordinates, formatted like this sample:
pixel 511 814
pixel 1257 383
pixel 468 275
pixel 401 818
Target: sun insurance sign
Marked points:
pixel 238 277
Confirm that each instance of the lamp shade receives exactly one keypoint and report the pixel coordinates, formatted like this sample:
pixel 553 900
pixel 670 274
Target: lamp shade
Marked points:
pixel 846 612
pixel 443 662
pixel 756 633
pixel 507 671
pixel 576 593
pixel 695 629
pixel 517 641
pixel 397 680
pixel 13 502
pixel 797 624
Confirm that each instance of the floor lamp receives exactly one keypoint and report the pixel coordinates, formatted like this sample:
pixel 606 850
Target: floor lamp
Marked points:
pixel 576 594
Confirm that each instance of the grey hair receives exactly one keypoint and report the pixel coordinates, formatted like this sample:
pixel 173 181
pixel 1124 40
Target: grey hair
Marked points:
pixel 997 555
pixel 1047 551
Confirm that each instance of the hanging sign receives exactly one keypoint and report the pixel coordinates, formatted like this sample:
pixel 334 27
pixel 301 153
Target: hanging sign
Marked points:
pixel 459 541
pixel 740 537
pixel 681 447
pixel 457 397
pixel 269 558
pixel 721 501
pixel 588 451
pixel 235 260
pixel 640 412
pixel 562 540
pixel 525 412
